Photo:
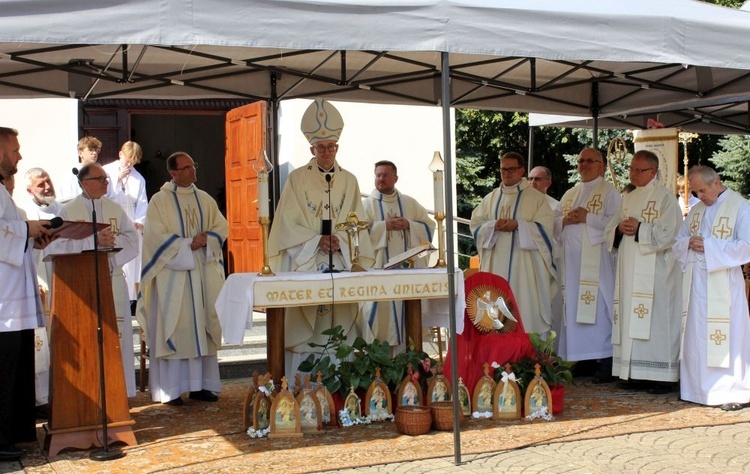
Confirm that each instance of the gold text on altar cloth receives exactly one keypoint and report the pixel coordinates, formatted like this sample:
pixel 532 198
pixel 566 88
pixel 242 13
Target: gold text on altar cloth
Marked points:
pixel 348 292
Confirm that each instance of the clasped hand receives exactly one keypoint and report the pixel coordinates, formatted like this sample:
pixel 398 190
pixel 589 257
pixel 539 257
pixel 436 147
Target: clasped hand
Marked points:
pixel 629 226
pixel 396 223
pixel 329 244
pixel 696 243
pixel 506 225
pixel 575 216
pixel 199 241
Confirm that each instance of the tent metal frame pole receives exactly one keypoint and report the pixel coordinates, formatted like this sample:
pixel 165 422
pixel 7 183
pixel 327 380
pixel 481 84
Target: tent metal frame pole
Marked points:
pixel 451 253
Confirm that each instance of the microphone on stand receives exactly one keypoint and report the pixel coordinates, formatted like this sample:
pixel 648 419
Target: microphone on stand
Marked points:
pixel 327 228
pixel 106 453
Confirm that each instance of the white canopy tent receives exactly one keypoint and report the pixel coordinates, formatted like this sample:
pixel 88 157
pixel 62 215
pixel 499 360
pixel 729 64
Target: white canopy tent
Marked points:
pixel 576 57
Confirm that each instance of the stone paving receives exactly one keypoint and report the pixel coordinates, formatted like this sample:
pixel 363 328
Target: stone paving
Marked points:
pixel 712 449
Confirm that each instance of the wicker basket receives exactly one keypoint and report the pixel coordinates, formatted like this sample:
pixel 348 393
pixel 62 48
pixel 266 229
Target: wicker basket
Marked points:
pixel 442 416
pixel 413 420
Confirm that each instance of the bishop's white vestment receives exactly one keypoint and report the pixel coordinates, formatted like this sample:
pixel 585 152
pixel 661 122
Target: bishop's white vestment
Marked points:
pixel 179 287
pixel 293 247
pixel 126 239
pixel 524 256
pixel 725 228
pixel 648 288
pixel 586 271
pixel 386 318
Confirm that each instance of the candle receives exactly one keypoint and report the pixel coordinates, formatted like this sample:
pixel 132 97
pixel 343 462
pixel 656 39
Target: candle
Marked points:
pixel 437 178
pixel 263 194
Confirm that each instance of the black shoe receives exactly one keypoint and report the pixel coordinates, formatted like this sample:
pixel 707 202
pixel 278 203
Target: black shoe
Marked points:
pixel 660 389
pixel 734 406
pixel 176 402
pixel 42 412
pixel 8 452
pixel 634 385
pixel 204 396
pixel 600 378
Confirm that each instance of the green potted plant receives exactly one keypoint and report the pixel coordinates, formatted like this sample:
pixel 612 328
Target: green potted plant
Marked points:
pixel 354 365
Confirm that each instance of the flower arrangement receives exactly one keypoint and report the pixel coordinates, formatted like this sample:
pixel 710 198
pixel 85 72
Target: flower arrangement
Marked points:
pixel 554 369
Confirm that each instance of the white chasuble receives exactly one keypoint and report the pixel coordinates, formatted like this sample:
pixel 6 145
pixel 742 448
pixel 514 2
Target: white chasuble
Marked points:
pixel 386 318
pixel 524 256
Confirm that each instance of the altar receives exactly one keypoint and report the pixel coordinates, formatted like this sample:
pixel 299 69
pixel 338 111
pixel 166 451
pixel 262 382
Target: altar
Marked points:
pixel 425 291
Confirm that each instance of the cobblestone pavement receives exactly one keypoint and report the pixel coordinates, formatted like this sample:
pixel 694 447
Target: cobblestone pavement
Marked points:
pixel 704 450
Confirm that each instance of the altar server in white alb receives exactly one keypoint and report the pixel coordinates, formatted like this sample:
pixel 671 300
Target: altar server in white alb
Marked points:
pixel 315 198
pixel 712 245
pixel 183 272
pixel 127 187
pixel 120 234
pixel 587 268
pixel 398 223
pixel 88 152
pixel 513 227
pixel 648 288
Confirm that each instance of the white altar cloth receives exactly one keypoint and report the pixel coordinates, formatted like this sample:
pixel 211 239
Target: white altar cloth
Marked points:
pixel 244 291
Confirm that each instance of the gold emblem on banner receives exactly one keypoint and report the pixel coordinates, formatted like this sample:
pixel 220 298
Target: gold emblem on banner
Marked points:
pixel 491 310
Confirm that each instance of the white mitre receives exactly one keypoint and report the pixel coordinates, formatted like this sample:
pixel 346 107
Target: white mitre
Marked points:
pixel 322 121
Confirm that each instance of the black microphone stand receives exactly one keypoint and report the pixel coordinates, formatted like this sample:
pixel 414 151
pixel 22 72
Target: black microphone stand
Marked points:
pixel 330 268
pixel 104 454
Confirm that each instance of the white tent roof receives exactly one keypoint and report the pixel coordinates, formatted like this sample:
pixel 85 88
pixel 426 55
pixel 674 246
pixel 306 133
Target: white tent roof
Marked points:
pixel 541 56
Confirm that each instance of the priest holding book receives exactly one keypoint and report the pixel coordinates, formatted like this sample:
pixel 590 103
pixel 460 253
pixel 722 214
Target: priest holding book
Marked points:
pixel 399 223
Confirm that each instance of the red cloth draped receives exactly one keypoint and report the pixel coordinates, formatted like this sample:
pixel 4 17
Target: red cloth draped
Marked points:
pixel 474 348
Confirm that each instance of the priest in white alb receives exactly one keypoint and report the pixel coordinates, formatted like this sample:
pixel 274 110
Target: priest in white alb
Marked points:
pixel 121 234
pixel 712 245
pixel 304 237
pixel 513 231
pixel 399 223
pixel 648 288
pixel 586 267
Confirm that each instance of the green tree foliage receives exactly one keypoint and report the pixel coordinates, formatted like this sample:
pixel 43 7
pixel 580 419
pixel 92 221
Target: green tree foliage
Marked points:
pixel 733 162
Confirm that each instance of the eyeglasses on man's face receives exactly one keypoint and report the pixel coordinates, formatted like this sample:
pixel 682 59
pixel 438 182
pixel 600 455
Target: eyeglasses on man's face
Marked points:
pixel 639 170
pixel 324 148
pixel 511 169
pixel 101 179
pixel 588 161
pixel 187 167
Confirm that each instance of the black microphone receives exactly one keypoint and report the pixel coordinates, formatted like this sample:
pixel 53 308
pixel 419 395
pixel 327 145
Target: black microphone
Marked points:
pixel 327 228
pixel 54 223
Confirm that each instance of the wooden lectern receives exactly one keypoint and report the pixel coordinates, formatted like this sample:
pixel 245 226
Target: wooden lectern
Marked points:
pixel 75 418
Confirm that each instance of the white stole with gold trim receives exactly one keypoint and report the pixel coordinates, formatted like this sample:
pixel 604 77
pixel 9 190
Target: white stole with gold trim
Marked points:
pixel 588 281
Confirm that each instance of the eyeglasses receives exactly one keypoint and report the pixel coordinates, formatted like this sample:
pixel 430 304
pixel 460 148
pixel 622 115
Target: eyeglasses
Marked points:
pixel 322 148
pixel 512 169
pixel 101 179
pixel 537 178
pixel 640 170
pixel 193 166
pixel 588 161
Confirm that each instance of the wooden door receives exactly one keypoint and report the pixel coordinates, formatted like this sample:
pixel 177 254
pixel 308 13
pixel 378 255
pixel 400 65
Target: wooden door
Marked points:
pixel 246 137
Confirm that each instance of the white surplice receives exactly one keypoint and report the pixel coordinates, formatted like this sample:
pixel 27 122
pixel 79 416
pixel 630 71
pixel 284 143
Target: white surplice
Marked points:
pixel 700 383
pixel 109 212
pixel 577 340
pixel 524 256
pixel 130 193
pixel 654 357
pixel 386 318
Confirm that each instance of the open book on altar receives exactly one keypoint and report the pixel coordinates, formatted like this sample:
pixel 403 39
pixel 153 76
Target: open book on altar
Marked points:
pixel 399 261
pixel 77 229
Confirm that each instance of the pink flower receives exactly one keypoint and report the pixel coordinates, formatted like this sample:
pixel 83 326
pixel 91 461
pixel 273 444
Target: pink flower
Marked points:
pixel 426 363
pixel 415 377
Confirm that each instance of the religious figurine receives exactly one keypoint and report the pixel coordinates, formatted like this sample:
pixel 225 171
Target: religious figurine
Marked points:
pixel 483 391
pixel 538 400
pixel 409 391
pixel 507 399
pixel 310 410
pixel 464 400
pixel 285 414
pixel 353 226
pixel 378 398
pixel 327 408
pixel 439 388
